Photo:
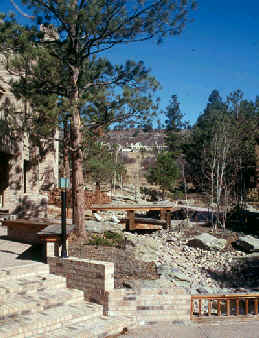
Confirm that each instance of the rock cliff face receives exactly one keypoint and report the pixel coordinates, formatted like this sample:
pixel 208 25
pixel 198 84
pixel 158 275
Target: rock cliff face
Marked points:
pixel 22 185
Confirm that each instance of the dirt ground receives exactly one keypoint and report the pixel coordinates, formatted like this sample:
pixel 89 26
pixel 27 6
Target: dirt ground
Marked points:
pixel 126 267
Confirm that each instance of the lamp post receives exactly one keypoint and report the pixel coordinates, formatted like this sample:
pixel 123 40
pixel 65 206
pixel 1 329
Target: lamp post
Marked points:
pixel 63 185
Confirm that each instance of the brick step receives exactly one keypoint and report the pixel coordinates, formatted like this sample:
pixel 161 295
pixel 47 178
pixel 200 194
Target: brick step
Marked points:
pixel 30 284
pixel 50 319
pixel 26 303
pixel 23 270
pixel 98 327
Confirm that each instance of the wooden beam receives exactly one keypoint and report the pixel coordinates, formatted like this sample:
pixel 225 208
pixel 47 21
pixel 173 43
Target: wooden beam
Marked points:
pixel 163 215
pixel 219 308
pixel 237 307
pixel 246 306
pixel 191 313
pixel 209 307
pixel 199 307
pixel 228 307
pixel 131 217
pixel 256 306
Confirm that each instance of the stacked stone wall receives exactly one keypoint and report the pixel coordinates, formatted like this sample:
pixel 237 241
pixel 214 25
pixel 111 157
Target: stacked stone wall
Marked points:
pixel 30 206
pixel 31 203
pixel 41 171
pixel 49 167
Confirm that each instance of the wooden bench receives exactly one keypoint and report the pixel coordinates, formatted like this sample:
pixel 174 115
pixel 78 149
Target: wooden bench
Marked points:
pixel 132 222
pixel 51 239
pixel 38 231
pixel 142 223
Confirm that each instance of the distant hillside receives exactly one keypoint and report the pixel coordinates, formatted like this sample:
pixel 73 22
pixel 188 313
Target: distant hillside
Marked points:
pixel 132 136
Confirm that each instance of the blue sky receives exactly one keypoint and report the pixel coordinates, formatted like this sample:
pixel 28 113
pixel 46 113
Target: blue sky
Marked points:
pixel 219 50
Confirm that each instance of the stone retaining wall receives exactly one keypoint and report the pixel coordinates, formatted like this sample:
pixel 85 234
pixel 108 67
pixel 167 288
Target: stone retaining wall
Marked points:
pixel 96 279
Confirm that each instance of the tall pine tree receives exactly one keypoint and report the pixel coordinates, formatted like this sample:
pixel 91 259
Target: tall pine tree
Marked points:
pixel 174 127
pixel 83 29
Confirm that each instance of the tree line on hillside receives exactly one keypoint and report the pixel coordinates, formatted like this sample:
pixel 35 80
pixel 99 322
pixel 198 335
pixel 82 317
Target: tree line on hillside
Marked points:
pixel 216 156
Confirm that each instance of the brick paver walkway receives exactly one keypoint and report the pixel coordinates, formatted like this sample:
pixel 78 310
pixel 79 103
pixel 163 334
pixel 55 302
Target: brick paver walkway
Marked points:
pixel 223 330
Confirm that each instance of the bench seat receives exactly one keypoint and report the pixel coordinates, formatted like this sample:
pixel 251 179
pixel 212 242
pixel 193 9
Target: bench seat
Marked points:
pixel 142 223
pixel 150 221
pixel 27 230
pixel 38 231
pixel 51 239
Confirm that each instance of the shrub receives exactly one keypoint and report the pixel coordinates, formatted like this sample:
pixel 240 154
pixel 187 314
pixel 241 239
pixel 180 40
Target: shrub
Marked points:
pixel 109 238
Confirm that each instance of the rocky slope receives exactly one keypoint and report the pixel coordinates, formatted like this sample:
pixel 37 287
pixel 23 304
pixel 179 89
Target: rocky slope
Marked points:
pixel 187 255
pixel 218 268
pixel 198 270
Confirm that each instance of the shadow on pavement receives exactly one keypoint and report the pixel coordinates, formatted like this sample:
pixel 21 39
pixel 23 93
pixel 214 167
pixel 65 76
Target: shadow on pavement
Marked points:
pixel 33 253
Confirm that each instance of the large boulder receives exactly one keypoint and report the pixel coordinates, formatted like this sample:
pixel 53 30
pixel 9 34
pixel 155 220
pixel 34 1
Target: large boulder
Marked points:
pixel 207 242
pixel 96 226
pixel 247 244
pixel 174 273
pixel 115 219
pixel 98 217
pixel 145 248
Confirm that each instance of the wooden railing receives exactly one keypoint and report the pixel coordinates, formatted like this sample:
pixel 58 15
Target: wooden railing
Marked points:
pixel 205 306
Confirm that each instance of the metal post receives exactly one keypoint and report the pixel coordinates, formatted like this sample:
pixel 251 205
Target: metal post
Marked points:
pixel 63 225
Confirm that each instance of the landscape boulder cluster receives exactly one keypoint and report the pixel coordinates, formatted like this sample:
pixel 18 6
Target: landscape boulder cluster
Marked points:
pixel 185 256
pixel 198 270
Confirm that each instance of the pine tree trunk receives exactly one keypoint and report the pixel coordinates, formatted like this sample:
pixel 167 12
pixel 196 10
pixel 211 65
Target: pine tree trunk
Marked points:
pixel 77 163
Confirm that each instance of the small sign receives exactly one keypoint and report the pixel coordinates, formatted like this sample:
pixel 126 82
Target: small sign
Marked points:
pixel 64 183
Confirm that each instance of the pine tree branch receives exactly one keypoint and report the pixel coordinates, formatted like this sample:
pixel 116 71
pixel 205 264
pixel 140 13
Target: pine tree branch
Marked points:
pixel 21 12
